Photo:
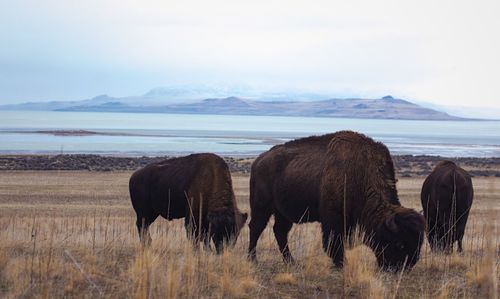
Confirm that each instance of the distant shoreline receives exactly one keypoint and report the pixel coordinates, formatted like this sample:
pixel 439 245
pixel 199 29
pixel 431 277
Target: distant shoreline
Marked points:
pixel 82 132
pixel 406 165
pixel 79 132
pixel 456 118
pixel 159 135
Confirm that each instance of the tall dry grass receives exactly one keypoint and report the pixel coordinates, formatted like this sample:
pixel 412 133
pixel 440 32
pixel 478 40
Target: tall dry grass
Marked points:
pixel 87 246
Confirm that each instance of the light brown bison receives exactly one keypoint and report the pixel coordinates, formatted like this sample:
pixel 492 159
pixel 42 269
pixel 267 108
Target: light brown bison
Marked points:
pixel 197 188
pixel 332 178
pixel 446 197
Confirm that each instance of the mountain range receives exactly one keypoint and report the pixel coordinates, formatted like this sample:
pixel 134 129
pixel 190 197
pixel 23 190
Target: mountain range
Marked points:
pixel 208 101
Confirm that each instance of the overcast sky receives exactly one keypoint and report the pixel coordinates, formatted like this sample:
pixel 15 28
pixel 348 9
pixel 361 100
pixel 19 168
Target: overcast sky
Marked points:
pixel 444 52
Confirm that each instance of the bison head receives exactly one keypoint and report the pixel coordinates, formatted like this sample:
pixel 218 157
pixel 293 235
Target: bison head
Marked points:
pixel 225 227
pixel 241 219
pixel 399 239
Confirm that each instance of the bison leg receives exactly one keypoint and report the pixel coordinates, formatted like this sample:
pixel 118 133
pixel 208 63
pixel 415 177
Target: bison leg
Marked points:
pixel 194 233
pixel 460 249
pixel 197 235
pixel 257 225
pixel 434 236
pixel 461 231
pixel 206 241
pixel 447 239
pixel 432 241
pixel 333 244
pixel 219 243
pixel 460 236
pixel 143 222
pixel 281 228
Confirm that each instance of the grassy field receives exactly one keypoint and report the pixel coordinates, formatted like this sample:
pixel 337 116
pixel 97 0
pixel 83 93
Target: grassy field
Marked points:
pixel 72 234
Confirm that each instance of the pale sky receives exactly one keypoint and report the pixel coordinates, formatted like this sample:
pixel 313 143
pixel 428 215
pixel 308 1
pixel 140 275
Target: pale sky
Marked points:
pixel 443 52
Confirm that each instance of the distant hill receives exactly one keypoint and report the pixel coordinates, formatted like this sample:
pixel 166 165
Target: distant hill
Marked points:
pixel 169 101
pixel 385 108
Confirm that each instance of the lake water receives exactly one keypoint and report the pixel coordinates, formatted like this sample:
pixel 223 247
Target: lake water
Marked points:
pixel 163 134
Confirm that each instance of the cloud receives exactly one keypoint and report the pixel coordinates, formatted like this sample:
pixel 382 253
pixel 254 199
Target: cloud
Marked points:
pixel 443 52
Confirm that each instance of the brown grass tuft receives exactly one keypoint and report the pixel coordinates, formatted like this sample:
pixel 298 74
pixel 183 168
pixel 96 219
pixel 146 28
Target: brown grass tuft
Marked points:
pixel 4 260
pixel 457 263
pixel 285 279
pixel 360 271
pixel 484 276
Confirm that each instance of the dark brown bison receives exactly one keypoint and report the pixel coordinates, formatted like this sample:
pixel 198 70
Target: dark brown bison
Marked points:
pixel 446 197
pixel 332 178
pixel 197 187
pixel 358 178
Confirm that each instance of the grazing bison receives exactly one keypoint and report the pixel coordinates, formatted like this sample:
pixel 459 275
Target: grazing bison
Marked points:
pixel 446 197
pixel 358 187
pixel 343 180
pixel 197 187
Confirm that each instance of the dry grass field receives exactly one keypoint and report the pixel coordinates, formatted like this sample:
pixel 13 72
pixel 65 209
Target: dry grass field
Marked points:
pixel 72 234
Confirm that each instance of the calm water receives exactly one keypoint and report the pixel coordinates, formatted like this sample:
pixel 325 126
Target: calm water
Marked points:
pixel 154 134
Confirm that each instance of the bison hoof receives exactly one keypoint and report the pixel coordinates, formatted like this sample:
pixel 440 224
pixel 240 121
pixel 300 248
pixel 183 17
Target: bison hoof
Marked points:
pixel 338 265
pixel 146 242
pixel 289 260
pixel 252 258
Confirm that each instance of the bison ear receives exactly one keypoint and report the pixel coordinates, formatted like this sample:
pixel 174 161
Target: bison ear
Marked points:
pixel 391 224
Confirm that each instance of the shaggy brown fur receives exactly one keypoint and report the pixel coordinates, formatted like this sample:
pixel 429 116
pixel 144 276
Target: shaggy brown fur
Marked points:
pixel 358 187
pixel 284 181
pixel 447 195
pixel 303 180
pixel 197 188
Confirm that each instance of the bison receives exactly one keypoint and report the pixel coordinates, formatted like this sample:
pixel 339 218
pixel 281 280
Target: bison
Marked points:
pixel 358 187
pixel 342 180
pixel 197 188
pixel 446 197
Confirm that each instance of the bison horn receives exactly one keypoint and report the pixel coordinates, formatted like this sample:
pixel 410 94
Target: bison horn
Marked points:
pixel 391 225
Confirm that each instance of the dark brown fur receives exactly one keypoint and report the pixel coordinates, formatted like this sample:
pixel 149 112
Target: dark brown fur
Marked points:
pixel 303 181
pixel 188 187
pixel 284 181
pixel 359 179
pixel 447 195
